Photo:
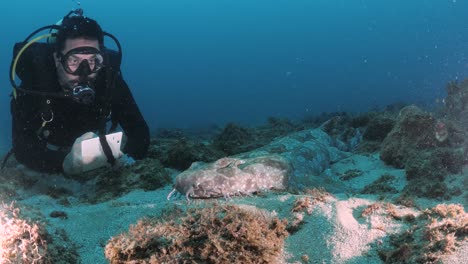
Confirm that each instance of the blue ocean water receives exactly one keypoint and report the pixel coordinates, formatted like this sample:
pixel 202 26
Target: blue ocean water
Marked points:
pixel 216 61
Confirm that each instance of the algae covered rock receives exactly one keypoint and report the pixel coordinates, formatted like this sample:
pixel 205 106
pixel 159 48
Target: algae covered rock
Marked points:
pixel 426 171
pixel 434 164
pixel 182 154
pixel 147 174
pixel 426 149
pixel 378 128
pixel 277 127
pixel 215 234
pixel 414 130
pixel 235 139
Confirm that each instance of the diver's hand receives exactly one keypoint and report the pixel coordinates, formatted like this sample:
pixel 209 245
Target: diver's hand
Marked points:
pixel 124 161
pixel 75 163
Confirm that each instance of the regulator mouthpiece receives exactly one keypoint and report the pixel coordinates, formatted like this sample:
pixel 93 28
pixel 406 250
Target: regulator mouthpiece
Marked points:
pixel 83 94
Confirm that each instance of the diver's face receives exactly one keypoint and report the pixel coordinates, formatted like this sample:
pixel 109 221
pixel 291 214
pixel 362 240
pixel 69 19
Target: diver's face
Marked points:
pixel 67 80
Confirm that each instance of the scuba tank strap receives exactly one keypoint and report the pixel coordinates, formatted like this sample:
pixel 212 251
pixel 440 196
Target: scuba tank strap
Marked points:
pixel 105 145
pixel 107 110
pixel 107 149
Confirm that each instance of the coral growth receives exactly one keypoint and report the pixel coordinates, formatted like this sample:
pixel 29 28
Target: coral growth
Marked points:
pixel 21 241
pixel 216 234
pixel 314 196
pixel 306 204
pixel 386 209
pixel 24 240
pixel 438 231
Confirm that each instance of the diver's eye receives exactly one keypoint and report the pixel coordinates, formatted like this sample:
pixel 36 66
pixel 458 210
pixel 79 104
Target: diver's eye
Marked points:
pixel 92 62
pixel 73 61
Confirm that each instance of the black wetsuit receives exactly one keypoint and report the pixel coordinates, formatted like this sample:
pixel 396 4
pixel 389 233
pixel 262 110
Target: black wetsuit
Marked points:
pixel 45 149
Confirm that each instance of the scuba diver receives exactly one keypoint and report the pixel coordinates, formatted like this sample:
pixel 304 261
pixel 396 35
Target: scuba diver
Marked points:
pixel 71 87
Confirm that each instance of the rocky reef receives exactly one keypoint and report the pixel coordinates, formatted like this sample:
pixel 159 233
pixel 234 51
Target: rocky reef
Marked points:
pixel 386 186
pixel 427 148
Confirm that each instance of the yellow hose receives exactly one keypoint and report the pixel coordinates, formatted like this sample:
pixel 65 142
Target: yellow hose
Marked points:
pixel 13 69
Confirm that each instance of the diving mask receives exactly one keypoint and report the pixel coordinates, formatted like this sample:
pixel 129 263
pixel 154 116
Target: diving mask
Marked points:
pixel 82 61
